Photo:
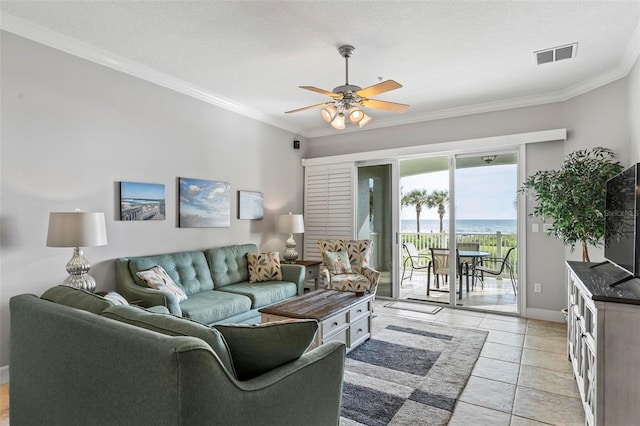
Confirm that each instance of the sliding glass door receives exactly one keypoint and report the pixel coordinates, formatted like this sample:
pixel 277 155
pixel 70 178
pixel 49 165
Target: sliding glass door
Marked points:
pixel 375 213
pixel 458 221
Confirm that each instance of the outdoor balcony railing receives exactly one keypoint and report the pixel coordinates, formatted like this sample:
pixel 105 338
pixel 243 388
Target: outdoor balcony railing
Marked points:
pixel 496 244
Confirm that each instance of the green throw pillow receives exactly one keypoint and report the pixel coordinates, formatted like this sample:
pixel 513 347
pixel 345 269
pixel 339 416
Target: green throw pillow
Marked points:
pixel 173 326
pixel 256 349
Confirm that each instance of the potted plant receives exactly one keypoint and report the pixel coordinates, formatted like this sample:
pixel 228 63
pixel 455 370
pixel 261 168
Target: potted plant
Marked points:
pixel 574 196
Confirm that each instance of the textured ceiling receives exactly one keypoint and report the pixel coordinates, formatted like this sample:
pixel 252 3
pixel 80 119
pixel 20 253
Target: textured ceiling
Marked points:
pixel 452 57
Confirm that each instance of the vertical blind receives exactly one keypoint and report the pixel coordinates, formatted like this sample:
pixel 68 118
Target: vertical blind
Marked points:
pixel 328 205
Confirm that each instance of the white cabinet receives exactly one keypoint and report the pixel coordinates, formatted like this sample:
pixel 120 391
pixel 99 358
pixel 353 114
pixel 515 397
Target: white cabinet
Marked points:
pixel 604 344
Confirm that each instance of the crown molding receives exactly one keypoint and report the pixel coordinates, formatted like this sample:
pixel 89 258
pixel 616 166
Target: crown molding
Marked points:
pixel 91 53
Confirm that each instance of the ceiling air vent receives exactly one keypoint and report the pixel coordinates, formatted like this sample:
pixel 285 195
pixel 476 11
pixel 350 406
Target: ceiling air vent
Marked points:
pixel 556 53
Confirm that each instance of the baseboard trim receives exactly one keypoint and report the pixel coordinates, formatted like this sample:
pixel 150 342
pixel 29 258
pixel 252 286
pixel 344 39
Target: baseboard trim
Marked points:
pixel 544 314
pixel 4 375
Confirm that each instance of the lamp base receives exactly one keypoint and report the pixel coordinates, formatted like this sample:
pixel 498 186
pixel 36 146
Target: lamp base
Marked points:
pixel 290 254
pixel 78 268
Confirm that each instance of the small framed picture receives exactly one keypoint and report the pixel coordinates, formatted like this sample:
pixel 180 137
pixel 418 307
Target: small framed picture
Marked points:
pixel 142 201
pixel 250 205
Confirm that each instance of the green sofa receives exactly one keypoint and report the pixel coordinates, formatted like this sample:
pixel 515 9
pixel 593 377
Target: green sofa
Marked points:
pixel 215 280
pixel 78 360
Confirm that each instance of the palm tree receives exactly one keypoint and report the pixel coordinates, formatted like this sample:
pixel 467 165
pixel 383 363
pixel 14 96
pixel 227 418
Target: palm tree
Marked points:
pixel 438 199
pixel 418 198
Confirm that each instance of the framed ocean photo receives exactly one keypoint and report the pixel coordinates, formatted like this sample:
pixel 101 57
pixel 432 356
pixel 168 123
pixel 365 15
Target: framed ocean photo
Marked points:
pixel 142 201
pixel 204 203
pixel 250 205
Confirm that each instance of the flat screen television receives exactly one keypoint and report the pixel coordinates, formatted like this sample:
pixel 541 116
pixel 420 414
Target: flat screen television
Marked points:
pixel 621 221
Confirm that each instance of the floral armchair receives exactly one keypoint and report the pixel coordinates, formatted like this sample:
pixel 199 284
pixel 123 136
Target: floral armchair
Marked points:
pixel 346 265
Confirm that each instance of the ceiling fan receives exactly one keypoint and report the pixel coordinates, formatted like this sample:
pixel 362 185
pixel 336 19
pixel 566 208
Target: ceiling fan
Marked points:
pixel 348 98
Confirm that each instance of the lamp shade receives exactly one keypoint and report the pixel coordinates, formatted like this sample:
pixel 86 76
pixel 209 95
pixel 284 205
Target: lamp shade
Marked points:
pixel 76 229
pixel 290 224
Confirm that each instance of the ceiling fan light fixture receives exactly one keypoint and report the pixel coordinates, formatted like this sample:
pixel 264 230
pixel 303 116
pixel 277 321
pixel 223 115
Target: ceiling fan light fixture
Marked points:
pixel 355 115
pixel 365 119
pixel 329 113
pixel 338 122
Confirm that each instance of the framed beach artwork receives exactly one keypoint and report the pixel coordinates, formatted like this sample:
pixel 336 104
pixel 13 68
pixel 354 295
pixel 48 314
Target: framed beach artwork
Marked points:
pixel 204 203
pixel 250 205
pixel 142 201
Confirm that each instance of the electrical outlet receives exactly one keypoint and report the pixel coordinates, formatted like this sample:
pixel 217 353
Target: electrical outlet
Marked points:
pixel 537 287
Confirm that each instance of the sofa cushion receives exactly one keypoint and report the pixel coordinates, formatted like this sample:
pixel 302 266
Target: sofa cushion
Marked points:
pixel 189 269
pixel 264 267
pixel 213 306
pixel 264 293
pixel 256 349
pixel 76 298
pixel 229 264
pixel 173 326
pixel 158 279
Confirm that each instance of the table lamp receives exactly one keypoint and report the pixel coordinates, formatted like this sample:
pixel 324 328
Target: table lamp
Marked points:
pixel 77 229
pixel 290 224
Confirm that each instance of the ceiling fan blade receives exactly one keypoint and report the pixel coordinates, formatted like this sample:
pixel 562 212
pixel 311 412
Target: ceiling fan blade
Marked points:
pixel 376 89
pixel 322 92
pixel 388 106
pixel 310 107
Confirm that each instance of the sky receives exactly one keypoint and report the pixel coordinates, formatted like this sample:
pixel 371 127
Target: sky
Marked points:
pixel 146 191
pixel 481 192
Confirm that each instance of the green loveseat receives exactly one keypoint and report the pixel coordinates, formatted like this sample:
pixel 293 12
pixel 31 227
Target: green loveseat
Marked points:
pixel 78 360
pixel 215 280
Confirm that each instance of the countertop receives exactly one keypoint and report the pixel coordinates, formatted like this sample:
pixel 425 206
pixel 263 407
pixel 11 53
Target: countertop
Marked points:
pixel 597 279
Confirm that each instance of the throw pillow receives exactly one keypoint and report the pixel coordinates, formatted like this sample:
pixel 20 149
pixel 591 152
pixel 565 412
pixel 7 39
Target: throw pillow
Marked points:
pixel 337 262
pixel 173 326
pixel 115 298
pixel 264 267
pixel 158 279
pixel 256 349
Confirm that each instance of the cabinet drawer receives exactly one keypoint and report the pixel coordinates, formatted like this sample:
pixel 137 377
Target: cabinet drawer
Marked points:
pixel 311 273
pixel 340 336
pixel 359 310
pixel 331 325
pixel 359 331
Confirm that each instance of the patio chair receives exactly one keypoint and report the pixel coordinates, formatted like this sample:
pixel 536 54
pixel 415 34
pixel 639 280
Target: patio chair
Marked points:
pixel 495 266
pixel 439 265
pixel 471 261
pixel 413 260
pixel 346 265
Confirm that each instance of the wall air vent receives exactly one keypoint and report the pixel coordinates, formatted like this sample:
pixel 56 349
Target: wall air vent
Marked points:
pixel 556 53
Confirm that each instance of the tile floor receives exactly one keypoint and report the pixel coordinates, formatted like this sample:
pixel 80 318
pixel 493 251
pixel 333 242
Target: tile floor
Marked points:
pixel 522 377
pixel 493 295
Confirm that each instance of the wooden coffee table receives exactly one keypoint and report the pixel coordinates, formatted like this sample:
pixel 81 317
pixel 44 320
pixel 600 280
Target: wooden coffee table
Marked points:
pixel 342 316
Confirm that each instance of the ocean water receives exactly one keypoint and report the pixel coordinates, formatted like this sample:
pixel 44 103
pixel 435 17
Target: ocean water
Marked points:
pixel 471 226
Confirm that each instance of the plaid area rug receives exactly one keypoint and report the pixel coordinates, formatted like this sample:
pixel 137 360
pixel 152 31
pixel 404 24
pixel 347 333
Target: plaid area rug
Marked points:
pixel 409 373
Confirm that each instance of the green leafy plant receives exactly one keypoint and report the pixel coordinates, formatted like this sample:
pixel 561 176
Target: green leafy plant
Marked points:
pixel 574 197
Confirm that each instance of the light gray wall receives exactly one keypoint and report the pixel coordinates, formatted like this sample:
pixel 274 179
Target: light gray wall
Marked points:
pixel 72 129
pixel 598 118
pixel 518 120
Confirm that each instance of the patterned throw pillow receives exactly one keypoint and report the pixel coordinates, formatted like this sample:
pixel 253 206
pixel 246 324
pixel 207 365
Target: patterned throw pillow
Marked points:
pixel 337 262
pixel 115 298
pixel 158 279
pixel 264 267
